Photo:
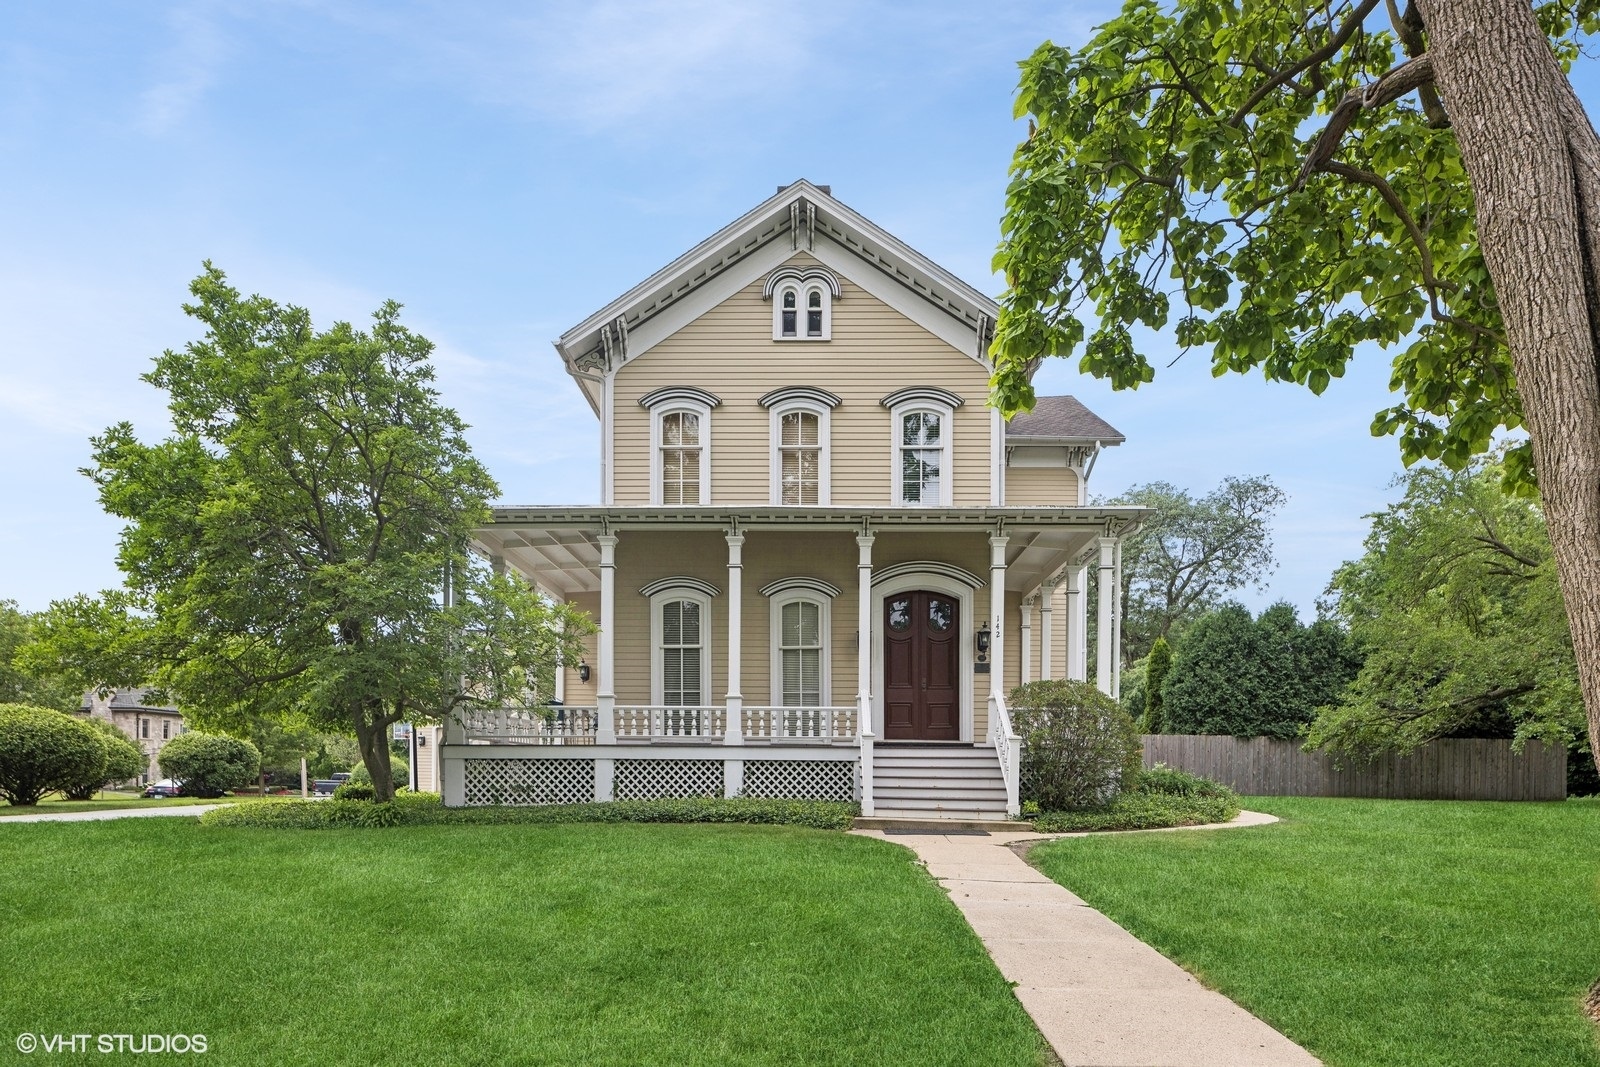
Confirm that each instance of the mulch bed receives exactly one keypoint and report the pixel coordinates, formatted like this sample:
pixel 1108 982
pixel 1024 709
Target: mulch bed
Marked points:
pixel 1591 1002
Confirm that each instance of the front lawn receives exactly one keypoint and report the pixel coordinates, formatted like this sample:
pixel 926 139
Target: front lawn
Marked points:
pixel 592 944
pixel 1380 933
pixel 112 801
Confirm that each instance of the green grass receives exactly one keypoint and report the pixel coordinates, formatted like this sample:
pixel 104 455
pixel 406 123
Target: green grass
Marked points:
pixel 114 802
pixel 591 944
pixel 1375 932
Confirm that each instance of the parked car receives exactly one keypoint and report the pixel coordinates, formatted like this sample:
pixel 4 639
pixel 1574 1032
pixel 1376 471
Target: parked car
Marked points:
pixel 167 787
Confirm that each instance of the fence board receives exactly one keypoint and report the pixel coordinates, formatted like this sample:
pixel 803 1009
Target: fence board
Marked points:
pixel 1453 769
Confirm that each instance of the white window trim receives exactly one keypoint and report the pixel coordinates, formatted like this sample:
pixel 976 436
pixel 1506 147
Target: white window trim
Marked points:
pixel 656 415
pixel 658 687
pixel 802 291
pixel 824 604
pixel 824 415
pixel 947 418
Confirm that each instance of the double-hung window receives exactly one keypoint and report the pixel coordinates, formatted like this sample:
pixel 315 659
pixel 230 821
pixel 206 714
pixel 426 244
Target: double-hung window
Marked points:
pixel 680 445
pixel 921 428
pixel 801 435
pixel 680 657
pixel 801 684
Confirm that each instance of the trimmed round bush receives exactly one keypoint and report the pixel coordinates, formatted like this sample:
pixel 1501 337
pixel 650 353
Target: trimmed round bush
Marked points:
pixel 42 751
pixel 123 760
pixel 1079 748
pixel 209 765
pixel 399 772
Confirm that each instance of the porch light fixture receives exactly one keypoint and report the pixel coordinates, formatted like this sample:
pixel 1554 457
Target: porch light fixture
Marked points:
pixel 583 671
pixel 981 660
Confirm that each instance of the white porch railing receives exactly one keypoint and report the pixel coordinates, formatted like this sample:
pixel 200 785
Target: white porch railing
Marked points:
pixel 643 723
pixel 827 725
pixel 541 725
pixel 1008 747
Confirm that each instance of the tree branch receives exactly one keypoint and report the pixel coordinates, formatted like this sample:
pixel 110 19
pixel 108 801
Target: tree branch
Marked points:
pixel 1314 60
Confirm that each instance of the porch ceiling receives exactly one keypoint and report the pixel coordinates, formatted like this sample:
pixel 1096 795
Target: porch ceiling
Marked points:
pixel 556 547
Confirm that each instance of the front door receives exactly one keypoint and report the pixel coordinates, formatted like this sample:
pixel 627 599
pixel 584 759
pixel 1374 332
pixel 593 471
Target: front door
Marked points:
pixel 921 667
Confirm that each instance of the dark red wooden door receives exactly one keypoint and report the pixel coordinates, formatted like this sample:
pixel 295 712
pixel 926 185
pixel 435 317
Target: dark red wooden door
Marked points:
pixel 921 667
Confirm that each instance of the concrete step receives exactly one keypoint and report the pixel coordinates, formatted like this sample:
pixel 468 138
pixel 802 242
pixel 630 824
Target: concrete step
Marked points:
pixel 925 806
pixel 939 824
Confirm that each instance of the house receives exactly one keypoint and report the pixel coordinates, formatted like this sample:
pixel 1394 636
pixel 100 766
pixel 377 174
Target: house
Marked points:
pixel 150 726
pixel 820 560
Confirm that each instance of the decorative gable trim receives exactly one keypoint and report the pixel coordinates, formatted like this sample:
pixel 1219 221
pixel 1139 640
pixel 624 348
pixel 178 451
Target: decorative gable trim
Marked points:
pixel 928 566
pixel 923 394
pixel 678 393
pixel 800 583
pixel 799 392
pixel 680 581
pixel 801 275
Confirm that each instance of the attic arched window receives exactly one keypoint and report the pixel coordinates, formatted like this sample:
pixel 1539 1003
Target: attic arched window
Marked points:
pixel 802 303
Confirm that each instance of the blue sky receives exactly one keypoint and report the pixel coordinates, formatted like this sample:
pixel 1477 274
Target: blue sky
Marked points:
pixel 503 170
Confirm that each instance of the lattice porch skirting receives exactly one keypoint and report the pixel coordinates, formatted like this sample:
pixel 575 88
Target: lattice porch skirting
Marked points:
pixel 655 779
pixel 800 779
pixel 529 781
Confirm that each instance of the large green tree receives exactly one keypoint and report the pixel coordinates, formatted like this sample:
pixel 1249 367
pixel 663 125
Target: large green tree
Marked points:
pixel 286 546
pixel 21 681
pixel 1283 183
pixel 1456 602
pixel 1191 554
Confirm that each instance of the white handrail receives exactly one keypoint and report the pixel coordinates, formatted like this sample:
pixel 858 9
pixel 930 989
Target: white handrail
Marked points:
pixel 1008 749
pixel 545 724
pixel 775 723
pixel 654 723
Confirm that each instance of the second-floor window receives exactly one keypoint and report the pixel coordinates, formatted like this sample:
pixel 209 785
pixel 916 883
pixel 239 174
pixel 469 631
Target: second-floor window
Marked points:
pixel 681 458
pixel 800 457
pixel 923 466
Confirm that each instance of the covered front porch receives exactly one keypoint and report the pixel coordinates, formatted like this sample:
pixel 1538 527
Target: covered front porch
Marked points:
pixel 773 651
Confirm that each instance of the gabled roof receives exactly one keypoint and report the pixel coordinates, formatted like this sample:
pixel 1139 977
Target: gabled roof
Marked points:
pixel 1061 418
pixel 800 216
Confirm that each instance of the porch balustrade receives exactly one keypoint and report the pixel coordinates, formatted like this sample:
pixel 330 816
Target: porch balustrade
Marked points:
pixel 572 725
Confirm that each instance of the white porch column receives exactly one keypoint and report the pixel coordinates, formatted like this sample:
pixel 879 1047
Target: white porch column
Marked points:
pixel 997 616
pixel 1104 636
pixel 605 688
pixel 1077 624
pixel 735 701
pixel 1047 661
pixel 864 728
pixel 1116 624
pixel 1026 674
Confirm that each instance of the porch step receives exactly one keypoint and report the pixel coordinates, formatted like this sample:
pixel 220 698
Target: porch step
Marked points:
pixel 940 825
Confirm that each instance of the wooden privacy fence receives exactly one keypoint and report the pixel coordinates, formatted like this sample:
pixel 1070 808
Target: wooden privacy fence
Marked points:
pixel 1455 769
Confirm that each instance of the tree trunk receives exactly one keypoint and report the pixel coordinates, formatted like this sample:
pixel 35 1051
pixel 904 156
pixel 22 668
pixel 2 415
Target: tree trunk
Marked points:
pixel 1534 161
pixel 373 738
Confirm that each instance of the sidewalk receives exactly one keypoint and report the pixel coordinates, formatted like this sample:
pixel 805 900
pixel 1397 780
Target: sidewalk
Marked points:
pixel 115 813
pixel 1100 996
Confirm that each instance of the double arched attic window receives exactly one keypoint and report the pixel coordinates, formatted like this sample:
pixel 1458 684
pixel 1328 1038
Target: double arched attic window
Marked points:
pixel 802 303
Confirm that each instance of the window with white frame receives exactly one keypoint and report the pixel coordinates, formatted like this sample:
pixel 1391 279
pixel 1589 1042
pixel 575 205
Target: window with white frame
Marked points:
pixel 801 610
pixel 801 444
pixel 682 459
pixel 922 456
pixel 680 655
pixel 802 311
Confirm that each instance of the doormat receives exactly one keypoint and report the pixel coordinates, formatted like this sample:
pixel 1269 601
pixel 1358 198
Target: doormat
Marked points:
pixel 931 831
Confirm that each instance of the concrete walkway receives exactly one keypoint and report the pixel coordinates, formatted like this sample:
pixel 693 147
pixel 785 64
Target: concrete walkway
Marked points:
pixel 1100 996
pixel 115 813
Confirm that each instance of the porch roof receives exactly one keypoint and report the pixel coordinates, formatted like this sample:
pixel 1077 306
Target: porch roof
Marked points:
pixel 556 546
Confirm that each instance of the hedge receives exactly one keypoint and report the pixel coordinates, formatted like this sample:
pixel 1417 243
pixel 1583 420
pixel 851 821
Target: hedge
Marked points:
pixel 425 809
pixel 43 750
pixel 1159 797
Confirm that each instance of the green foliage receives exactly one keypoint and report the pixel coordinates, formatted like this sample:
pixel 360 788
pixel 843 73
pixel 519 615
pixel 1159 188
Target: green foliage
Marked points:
pixel 1190 554
pixel 1176 782
pixel 1155 676
pixel 1078 746
pixel 1164 182
pixel 1262 677
pixel 23 680
pixel 425 809
pixel 43 750
pixel 285 547
pixel 359 775
pixel 1457 602
pixel 209 765
pixel 353 790
pixel 123 760
pixel 1141 811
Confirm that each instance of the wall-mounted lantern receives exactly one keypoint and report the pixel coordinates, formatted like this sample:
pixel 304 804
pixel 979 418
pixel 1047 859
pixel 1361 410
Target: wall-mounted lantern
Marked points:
pixel 981 659
pixel 583 670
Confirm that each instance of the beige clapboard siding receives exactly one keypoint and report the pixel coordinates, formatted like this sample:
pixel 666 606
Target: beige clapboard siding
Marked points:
pixel 730 352
pixel 1058 638
pixel 1050 486
pixel 644 556
pixel 579 693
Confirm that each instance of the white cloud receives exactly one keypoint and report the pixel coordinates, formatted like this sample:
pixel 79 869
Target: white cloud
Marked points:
pixel 189 69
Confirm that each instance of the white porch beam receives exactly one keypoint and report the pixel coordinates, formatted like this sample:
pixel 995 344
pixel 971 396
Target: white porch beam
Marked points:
pixel 997 616
pixel 1025 673
pixel 733 732
pixel 1077 623
pixel 864 665
pixel 1116 624
pixel 1104 628
pixel 605 690
pixel 1047 663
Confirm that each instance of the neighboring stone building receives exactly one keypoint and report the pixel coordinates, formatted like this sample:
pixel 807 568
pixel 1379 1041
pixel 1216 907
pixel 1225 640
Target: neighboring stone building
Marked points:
pixel 150 726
